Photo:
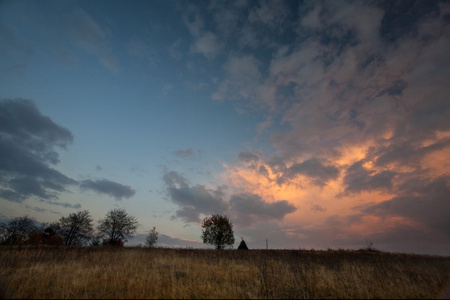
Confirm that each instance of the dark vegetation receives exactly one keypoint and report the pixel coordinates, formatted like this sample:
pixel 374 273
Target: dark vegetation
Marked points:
pixel 76 229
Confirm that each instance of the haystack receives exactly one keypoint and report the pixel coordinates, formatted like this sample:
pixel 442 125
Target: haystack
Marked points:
pixel 242 245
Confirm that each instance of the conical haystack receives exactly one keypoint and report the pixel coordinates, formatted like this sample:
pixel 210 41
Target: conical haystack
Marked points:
pixel 243 245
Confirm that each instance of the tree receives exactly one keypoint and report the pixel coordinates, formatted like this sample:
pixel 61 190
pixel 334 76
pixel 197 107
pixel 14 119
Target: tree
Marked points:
pixel 117 227
pixel 76 229
pixel 152 237
pixel 218 231
pixel 18 230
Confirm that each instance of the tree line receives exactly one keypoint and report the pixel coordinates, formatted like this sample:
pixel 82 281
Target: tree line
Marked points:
pixel 77 229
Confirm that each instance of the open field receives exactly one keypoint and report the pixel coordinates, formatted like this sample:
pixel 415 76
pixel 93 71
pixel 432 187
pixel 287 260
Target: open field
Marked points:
pixel 108 273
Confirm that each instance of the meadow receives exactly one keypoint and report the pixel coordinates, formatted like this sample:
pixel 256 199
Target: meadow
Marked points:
pixel 126 272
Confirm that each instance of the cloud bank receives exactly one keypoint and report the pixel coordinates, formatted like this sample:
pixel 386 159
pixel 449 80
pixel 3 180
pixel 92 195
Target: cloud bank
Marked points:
pixel 197 201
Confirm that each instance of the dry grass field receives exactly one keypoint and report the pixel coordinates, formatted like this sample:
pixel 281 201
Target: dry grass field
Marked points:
pixel 113 273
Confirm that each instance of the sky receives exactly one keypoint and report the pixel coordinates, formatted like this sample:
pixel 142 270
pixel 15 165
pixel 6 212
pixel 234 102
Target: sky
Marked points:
pixel 309 124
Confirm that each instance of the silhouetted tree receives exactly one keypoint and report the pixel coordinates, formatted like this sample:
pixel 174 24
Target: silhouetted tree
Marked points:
pixel 218 231
pixel 17 230
pixel 76 229
pixel 152 237
pixel 117 227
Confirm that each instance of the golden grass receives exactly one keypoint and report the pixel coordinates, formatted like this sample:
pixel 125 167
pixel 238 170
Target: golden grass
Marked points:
pixel 112 273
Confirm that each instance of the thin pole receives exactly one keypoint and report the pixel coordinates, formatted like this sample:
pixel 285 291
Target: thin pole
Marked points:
pixel 267 244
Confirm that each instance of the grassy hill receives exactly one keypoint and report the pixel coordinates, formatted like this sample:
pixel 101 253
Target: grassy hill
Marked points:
pixel 111 273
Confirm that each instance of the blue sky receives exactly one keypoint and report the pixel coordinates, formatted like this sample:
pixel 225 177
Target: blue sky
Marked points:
pixel 315 124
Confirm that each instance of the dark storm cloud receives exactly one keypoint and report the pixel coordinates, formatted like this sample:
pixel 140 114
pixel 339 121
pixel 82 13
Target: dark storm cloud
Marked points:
pixel 421 200
pixel 27 142
pixel 312 168
pixel 105 186
pixel 193 200
pixel 250 209
pixel 358 179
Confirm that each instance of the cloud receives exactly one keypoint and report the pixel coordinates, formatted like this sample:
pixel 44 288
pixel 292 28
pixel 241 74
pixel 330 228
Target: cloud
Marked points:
pixel 93 37
pixel 341 76
pixel 423 201
pixel 243 78
pixel 358 178
pixel 343 79
pixel 193 200
pixel 27 151
pixel 205 42
pixel 271 13
pixel 249 156
pixel 312 168
pixel 245 209
pixel 65 204
pixel 105 186
pixel 251 208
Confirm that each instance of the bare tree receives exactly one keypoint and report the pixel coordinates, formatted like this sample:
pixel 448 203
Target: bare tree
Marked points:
pixel 17 230
pixel 76 229
pixel 117 227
